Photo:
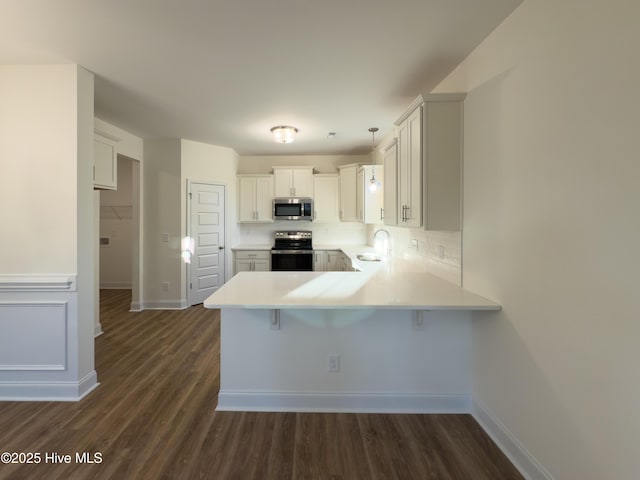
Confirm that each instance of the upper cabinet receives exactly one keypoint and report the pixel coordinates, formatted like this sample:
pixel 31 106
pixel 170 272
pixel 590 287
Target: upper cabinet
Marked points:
pixel 429 159
pixel 293 181
pixel 410 169
pixel 255 196
pixel 390 211
pixel 105 163
pixel 369 200
pixel 326 198
pixel 348 195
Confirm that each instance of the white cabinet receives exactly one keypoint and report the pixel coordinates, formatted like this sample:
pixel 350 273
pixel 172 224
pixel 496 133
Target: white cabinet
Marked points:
pixel 390 212
pixel 255 196
pixel 293 181
pixel 319 261
pixel 346 265
pixel 369 203
pixel 410 169
pixel 105 164
pixel 442 167
pixel 326 198
pixel 334 261
pixel 348 202
pixel 252 261
pixel 429 159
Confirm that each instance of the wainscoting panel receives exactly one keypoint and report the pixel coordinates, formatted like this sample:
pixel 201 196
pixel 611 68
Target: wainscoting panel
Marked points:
pixel 34 336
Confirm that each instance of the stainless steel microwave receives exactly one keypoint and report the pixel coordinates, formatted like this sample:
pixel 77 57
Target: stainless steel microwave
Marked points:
pixel 292 208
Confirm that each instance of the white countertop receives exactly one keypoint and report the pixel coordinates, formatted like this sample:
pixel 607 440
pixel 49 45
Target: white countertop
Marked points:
pixel 252 246
pixel 390 284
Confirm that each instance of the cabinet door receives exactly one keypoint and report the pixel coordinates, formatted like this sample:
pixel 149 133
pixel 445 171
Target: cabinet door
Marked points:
pixel 410 170
pixel 246 199
pixel 264 199
pixel 414 210
pixel 390 212
pixel 319 261
pixel 443 162
pixel 261 266
pixel 283 182
pixel 348 194
pixel 334 261
pixel 302 182
pixel 360 195
pixel 243 265
pixel 326 198
pixel 105 165
pixel 373 200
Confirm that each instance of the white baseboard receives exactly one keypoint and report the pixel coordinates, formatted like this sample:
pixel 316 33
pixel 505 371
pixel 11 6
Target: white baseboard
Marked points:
pixel 49 391
pixel 164 305
pixel 135 307
pixel 526 463
pixel 97 330
pixel 342 402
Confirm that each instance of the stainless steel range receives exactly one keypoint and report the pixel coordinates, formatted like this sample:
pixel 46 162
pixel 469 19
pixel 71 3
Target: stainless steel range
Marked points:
pixel 292 251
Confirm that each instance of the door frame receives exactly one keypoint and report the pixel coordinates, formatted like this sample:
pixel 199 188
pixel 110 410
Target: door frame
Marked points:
pixel 190 182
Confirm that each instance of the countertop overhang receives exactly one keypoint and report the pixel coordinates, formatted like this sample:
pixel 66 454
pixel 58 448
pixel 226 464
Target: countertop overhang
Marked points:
pixel 391 284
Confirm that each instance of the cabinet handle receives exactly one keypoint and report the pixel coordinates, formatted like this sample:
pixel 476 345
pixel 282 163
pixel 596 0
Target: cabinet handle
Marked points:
pixel 315 214
pixel 382 214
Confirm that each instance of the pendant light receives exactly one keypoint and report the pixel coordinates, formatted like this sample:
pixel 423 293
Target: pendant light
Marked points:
pixel 373 182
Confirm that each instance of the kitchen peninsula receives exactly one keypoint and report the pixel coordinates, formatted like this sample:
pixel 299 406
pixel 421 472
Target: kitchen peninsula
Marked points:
pixel 384 338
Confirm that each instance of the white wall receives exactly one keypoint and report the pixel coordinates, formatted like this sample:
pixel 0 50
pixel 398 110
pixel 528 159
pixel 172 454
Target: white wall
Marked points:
pixel 47 222
pixel 210 163
pixel 38 140
pixel 551 231
pixel 162 214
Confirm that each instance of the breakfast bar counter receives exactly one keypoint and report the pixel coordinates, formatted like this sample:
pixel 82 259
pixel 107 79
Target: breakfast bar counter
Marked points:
pixel 384 338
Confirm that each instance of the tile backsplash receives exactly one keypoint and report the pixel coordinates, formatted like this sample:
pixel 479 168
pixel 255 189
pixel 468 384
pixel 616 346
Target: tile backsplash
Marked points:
pixel 439 253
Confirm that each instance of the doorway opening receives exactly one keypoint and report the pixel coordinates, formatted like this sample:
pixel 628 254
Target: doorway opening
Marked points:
pixel 119 233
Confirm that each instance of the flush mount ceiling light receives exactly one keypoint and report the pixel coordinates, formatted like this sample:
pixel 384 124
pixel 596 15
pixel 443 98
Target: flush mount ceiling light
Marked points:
pixel 283 133
pixel 374 183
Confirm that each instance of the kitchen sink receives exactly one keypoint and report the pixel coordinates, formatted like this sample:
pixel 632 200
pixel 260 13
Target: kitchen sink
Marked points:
pixel 369 257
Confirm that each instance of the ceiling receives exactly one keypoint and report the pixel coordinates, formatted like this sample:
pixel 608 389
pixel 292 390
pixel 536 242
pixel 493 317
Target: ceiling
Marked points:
pixel 225 71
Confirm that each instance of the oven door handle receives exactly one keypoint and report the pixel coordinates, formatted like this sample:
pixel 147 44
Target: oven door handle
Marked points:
pixel 291 252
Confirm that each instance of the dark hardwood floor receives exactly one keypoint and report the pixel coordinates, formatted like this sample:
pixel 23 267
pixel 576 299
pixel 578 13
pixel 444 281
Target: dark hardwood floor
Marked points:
pixel 152 417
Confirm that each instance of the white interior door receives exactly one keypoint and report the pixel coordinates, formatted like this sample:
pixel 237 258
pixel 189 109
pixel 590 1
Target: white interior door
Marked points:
pixel 207 228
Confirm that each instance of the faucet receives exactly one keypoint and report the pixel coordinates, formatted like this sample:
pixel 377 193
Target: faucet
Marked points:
pixel 384 244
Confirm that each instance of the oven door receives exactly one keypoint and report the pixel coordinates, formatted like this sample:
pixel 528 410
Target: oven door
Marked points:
pixel 291 260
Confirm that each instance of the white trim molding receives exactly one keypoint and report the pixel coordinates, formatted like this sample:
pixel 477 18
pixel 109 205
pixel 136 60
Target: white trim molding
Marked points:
pixel 38 283
pixel 525 462
pixel 163 305
pixel 49 391
pixel 342 402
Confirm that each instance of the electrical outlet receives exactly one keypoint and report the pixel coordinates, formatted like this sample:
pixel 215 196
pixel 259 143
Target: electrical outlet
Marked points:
pixel 165 238
pixel 413 243
pixel 165 286
pixel 333 362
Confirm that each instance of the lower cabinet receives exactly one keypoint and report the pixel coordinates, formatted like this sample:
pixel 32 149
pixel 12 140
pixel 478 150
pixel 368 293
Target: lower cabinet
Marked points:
pixel 319 261
pixel 329 261
pixel 252 261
